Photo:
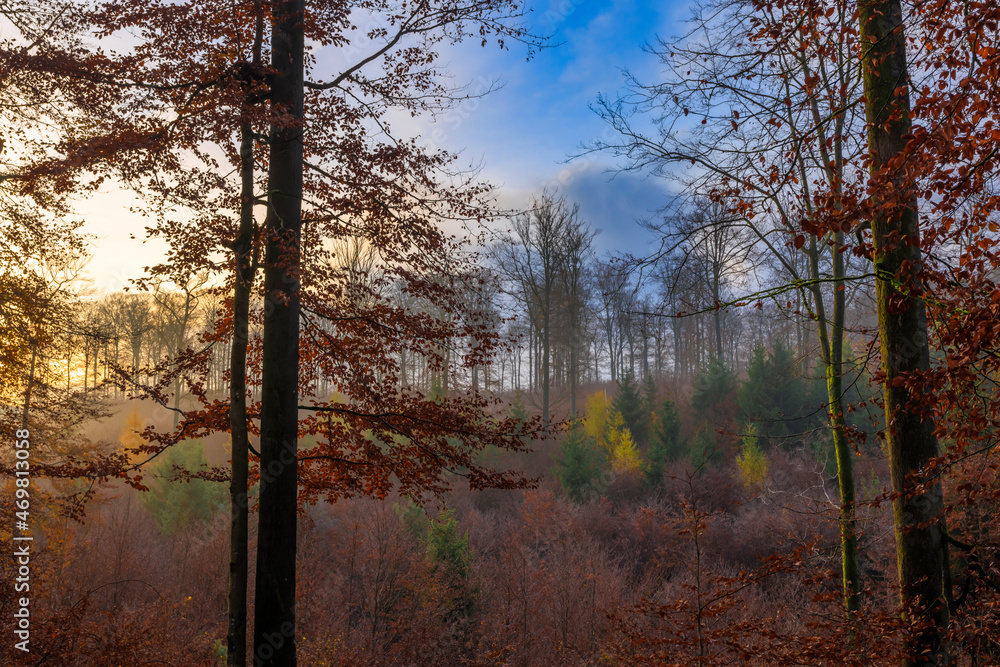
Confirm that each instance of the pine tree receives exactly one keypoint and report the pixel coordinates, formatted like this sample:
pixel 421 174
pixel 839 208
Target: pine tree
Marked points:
pixel 450 556
pixel 649 404
pixel 752 395
pixel 446 547
pixel 714 392
pixel 703 449
pixel 775 398
pixel 177 501
pixel 664 441
pixel 630 404
pixel 517 409
pixel 580 463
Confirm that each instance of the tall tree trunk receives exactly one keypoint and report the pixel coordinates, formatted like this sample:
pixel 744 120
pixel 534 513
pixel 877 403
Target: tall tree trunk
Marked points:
pixel 274 603
pixel 136 352
pixel 717 315
pixel 843 449
pixel 903 334
pixel 831 340
pixel 832 351
pixel 244 267
pixel 114 389
pixel 678 354
pixel 612 352
pixel 242 249
pixel 546 350
pixel 531 345
pixel 177 401
pixel 645 349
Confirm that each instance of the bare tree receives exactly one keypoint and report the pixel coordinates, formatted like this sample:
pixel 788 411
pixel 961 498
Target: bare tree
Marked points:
pixel 714 244
pixel 614 291
pixel 533 257
pixel 574 283
pixel 765 121
pixel 178 312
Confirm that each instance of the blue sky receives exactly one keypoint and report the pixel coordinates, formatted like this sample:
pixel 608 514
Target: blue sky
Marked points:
pixel 525 132
pixel 522 134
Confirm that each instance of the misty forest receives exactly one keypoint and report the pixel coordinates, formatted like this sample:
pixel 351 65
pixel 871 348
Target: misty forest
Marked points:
pixel 675 342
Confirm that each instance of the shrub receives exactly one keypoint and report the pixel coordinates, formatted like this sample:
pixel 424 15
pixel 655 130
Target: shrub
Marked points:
pixel 752 461
pixel 580 463
pixel 178 499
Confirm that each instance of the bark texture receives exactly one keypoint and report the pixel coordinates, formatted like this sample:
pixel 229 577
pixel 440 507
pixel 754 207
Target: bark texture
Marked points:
pixel 274 603
pixel 903 333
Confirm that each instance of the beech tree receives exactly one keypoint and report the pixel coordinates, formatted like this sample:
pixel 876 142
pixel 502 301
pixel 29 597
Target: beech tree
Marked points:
pixel 544 250
pixel 615 291
pixel 789 142
pixel 913 175
pixel 193 81
pixel 902 321
pixel 774 158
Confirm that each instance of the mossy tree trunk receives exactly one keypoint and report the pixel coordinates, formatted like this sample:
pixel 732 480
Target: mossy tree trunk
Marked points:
pixel 902 326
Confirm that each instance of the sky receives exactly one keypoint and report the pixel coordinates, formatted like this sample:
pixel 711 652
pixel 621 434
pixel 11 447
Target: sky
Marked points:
pixel 523 134
pixel 526 132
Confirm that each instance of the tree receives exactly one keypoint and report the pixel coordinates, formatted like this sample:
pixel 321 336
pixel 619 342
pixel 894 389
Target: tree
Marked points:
pixel 704 449
pixel 598 418
pixel 664 441
pixel 40 289
pixel 774 398
pixel 715 246
pixel 450 555
pixel 178 311
pixel 580 463
pixel 714 393
pixel 752 461
pixel 613 283
pixel 137 317
pixel 573 277
pixel 649 396
pixel 910 433
pixel 545 247
pixel 274 602
pixel 629 403
pixel 178 498
pixel 625 459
